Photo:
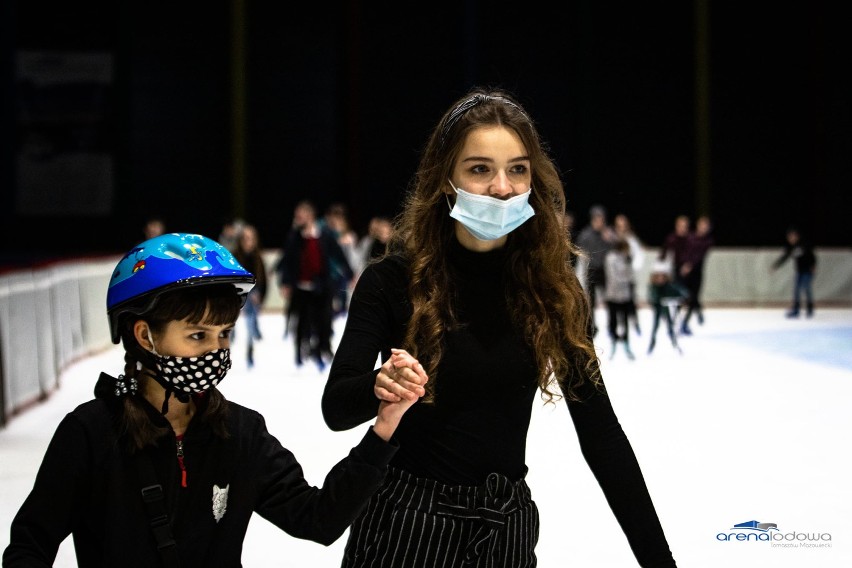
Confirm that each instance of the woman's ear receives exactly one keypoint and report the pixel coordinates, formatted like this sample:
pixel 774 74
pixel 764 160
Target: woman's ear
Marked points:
pixel 141 332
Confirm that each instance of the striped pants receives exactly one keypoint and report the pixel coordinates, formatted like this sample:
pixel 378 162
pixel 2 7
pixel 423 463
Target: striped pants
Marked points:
pixel 418 523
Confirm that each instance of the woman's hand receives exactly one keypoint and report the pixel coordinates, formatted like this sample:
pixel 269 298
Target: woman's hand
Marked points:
pixel 401 377
pixel 399 384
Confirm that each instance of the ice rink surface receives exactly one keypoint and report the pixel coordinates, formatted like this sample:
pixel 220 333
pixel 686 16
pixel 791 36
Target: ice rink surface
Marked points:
pixel 752 422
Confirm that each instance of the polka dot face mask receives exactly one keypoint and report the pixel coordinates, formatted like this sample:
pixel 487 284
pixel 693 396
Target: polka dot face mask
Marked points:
pixel 192 375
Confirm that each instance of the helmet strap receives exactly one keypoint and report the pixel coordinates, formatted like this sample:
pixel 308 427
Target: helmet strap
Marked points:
pixel 165 407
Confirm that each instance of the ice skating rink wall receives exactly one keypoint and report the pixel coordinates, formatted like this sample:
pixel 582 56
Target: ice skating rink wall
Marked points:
pixel 55 313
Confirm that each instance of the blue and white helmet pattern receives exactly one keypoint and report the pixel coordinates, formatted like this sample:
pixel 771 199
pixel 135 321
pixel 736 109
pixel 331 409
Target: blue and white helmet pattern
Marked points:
pixel 170 261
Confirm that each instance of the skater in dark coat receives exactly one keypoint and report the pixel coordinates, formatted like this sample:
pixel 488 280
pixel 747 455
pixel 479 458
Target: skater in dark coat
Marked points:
pixel 803 254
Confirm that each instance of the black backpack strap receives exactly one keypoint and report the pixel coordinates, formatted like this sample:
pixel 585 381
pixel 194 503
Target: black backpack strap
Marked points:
pixel 155 505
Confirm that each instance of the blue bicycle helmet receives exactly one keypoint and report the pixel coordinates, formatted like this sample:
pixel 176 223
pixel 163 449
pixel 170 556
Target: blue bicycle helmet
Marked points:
pixel 167 262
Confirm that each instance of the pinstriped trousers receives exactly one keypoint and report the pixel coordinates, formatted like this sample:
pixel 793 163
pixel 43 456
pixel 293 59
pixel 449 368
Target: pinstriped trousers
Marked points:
pixel 419 523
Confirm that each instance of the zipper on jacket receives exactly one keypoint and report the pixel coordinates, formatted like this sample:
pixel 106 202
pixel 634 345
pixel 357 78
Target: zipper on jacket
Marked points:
pixel 179 444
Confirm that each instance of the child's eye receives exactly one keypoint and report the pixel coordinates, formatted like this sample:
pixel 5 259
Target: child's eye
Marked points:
pixel 226 333
pixel 198 336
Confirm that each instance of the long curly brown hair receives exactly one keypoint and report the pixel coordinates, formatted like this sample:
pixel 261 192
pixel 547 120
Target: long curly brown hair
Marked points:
pixel 543 293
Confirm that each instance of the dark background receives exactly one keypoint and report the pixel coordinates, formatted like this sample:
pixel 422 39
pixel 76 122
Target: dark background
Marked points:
pixel 335 100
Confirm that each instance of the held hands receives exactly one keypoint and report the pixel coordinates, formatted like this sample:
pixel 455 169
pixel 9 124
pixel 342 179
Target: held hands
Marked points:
pixel 399 384
pixel 400 378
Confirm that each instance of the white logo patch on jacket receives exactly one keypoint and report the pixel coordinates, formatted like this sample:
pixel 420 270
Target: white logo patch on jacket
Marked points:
pixel 220 502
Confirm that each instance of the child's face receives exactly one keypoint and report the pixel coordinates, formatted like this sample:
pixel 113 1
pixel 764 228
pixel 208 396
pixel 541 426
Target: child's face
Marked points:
pixel 658 278
pixel 184 339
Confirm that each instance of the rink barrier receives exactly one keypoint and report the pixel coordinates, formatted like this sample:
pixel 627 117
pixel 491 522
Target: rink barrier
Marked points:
pixel 53 314
pixel 50 316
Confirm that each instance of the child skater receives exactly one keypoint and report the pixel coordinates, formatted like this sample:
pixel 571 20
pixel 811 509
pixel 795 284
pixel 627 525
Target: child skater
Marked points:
pixel 666 297
pixel 618 293
pixel 160 469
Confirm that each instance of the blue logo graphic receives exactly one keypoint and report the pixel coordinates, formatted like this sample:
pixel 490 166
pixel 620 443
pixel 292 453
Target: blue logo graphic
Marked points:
pixel 754 525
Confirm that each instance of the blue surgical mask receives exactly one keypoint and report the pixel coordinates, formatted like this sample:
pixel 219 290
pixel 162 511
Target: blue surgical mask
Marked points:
pixel 488 218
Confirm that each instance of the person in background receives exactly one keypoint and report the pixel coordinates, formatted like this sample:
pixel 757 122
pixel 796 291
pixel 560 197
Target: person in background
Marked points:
pixel 249 254
pixel 336 219
pixel 160 469
pixel 477 288
pixel 802 253
pixel 624 231
pixel 675 247
pixel 666 297
pixel 698 245
pixel 230 234
pixel 619 295
pixel 153 227
pixel 595 240
pixel 308 281
pixel 379 232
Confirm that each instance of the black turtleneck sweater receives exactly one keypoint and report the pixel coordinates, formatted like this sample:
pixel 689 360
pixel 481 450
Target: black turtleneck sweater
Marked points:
pixel 484 394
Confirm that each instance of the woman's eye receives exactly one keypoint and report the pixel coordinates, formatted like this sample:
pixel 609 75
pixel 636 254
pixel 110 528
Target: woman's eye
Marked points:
pixel 479 169
pixel 518 170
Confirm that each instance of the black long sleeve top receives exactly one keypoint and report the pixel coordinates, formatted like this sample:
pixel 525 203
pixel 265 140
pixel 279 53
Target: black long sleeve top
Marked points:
pixel 484 394
pixel 88 486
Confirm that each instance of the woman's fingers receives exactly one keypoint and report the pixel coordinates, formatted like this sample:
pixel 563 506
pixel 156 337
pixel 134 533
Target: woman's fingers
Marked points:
pixel 400 377
pixel 401 360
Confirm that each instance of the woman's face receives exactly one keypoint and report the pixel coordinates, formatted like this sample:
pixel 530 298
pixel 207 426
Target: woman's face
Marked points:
pixel 184 339
pixel 493 162
pixel 248 239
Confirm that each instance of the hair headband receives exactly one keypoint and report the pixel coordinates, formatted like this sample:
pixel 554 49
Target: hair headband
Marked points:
pixel 468 104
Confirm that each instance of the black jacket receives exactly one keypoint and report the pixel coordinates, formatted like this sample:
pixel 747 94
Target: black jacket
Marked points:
pixel 88 486
pixel 334 263
pixel 802 253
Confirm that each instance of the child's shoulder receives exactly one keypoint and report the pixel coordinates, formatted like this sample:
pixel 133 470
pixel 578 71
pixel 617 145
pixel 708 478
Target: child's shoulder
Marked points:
pixel 244 417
